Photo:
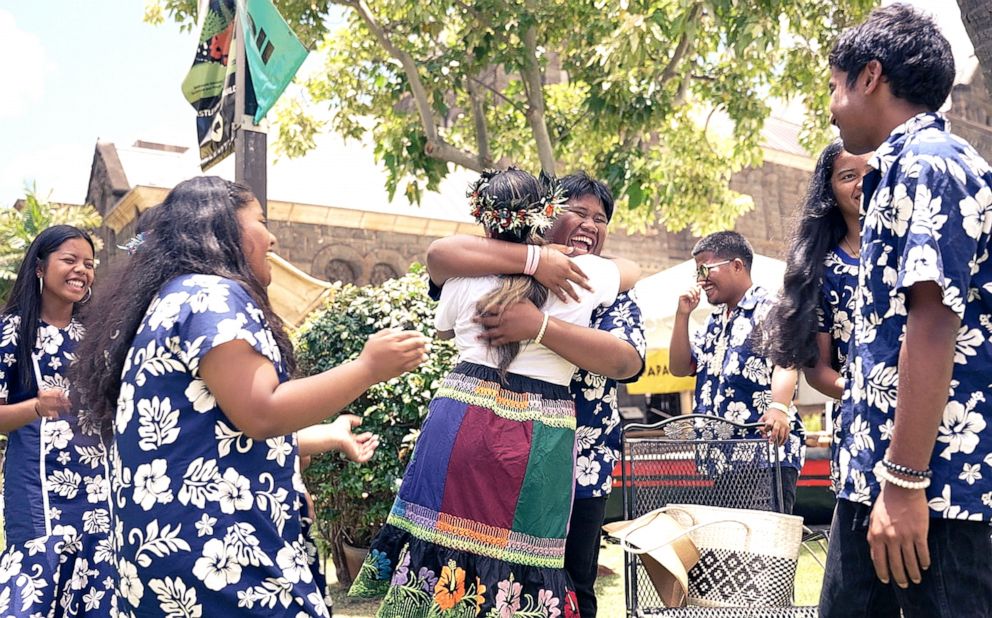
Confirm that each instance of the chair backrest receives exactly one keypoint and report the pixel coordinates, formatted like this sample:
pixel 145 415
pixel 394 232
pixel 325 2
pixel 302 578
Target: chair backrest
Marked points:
pixel 692 459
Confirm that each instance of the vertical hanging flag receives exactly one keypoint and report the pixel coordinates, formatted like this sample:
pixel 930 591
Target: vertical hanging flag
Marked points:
pixel 273 51
pixel 210 84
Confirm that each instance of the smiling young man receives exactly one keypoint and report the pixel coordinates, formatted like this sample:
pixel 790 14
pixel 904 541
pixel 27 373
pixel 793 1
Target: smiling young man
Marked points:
pixel 910 534
pixel 611 349
pixel 734 379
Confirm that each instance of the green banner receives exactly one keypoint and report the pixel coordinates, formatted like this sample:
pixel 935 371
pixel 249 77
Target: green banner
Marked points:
pixel 209 86
pixel 273 51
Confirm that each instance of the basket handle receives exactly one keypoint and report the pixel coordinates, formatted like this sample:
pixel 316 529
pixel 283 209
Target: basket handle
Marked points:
pixel 627 547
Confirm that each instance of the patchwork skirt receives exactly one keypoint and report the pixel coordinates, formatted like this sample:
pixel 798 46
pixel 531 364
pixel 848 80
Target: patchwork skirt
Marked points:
pixel 479 525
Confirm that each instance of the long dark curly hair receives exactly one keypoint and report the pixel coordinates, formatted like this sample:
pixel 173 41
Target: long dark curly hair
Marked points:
pixel 789 332
pixel 24 300
pixel 196 231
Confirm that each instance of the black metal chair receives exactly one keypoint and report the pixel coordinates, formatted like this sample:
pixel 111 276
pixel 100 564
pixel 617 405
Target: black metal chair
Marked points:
pixel 696 459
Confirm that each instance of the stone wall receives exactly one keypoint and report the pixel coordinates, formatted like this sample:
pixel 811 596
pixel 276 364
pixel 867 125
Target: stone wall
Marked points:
pixel 369 256
pixel 971 115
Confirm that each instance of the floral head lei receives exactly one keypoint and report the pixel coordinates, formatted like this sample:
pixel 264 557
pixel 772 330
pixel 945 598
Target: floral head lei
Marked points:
pixel 519 216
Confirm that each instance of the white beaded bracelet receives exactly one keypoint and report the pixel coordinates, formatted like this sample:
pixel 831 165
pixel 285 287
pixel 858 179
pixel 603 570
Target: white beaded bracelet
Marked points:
pixel 883 474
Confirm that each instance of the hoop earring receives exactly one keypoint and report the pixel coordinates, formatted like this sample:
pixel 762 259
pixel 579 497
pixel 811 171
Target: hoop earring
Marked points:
pixel 89 295
pixel 41 285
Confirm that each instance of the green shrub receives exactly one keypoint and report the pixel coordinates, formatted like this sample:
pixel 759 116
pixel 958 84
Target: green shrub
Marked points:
pixel 352 501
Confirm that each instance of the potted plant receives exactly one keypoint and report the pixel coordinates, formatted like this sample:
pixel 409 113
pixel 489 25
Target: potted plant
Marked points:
pixel 352 501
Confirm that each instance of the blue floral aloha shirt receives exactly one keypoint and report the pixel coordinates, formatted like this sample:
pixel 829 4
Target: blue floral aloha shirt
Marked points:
pixel 56 492
pixel 733 380
pixel 597 435
pixel 206 521
pixel 835 314
pixel 927 218
pixel 836 317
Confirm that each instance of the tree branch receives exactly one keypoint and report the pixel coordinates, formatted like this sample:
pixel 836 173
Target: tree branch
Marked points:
pixel 479 119
pixel 531 72
pixel 435 147
pixel 499 94
pixel 683 46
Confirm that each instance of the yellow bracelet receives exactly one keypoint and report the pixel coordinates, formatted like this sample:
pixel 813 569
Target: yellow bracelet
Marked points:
pixel 544 327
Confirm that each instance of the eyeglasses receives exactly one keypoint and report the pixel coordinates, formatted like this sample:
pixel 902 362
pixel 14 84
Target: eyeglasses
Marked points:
pixel 703 270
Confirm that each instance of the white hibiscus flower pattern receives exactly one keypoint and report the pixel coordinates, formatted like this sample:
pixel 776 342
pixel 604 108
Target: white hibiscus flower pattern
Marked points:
pixel 598 421
pixel 54 562
pixel 206 520
pixel 732 380
pixel 928 219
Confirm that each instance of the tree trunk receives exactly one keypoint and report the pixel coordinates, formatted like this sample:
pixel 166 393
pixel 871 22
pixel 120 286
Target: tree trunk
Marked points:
pixel 534 83
pixel 977 18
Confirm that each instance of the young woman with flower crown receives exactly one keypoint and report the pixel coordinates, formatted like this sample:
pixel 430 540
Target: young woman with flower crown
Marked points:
pixel 56 508
pixel 479 525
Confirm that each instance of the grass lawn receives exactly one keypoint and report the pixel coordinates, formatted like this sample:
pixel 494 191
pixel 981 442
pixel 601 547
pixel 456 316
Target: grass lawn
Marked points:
pixel 609 586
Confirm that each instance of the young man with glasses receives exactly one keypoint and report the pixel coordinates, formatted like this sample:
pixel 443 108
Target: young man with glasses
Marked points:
pixel 733 378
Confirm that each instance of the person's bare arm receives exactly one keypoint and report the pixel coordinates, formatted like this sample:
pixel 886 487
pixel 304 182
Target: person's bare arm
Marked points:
pixel 776 421
pixel 680 361
pixel 900 520
pixel 471 256
pixel 248 390
pixel 589 348
pixel 822 376
pixel 338 435
pixel 630 273
pixel 49 403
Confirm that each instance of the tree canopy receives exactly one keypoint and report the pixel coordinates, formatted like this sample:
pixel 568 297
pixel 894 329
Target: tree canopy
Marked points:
pixel 663 99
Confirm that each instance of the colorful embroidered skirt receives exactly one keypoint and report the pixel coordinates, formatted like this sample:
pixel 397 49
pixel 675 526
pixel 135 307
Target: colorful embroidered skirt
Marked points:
pixel 479 525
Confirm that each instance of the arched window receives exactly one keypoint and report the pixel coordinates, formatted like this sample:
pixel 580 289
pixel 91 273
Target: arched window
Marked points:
pixel 339 270
pixel 382 272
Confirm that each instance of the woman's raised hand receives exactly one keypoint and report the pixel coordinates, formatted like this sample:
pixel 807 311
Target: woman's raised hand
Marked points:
pixel 338 435
pixel 558 273
pixel 359 448
pixel 51 403
pixel 391 352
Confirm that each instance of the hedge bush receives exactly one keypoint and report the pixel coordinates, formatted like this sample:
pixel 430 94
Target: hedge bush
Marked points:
pixel 352 501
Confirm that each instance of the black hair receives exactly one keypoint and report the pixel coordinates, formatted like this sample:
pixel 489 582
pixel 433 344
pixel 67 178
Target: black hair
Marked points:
pixel 728 246
pixel 195 231
pixel 916 59
pixel 25 296
pixel 581 184
pixel 789 332
pixel 506 188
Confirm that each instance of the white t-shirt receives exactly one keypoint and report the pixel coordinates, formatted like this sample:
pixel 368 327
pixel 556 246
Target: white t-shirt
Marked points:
pixel 456 310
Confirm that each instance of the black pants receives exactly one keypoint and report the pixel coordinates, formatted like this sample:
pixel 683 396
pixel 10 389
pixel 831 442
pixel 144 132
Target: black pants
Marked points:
pixel 582 550
pixel 958 583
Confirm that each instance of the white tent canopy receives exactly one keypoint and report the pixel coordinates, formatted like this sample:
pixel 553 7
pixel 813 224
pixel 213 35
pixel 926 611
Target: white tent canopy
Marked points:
pixel 658 296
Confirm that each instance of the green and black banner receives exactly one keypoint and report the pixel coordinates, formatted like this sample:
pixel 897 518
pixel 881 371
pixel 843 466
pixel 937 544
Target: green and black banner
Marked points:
pixel 274 55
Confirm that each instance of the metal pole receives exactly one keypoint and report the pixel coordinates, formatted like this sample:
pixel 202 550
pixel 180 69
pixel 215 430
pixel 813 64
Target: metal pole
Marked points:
pixel 249 140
